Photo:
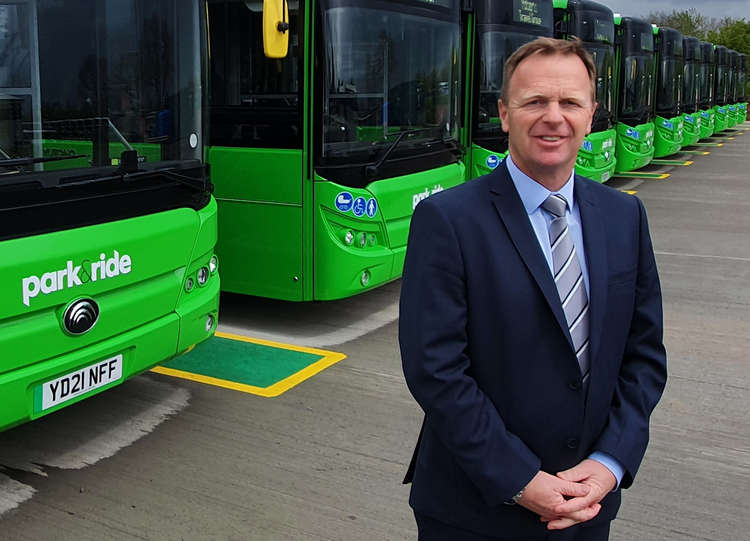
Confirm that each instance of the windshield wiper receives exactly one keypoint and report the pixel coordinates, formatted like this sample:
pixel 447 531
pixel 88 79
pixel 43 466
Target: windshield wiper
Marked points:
pixel 372 170
pixel 12 162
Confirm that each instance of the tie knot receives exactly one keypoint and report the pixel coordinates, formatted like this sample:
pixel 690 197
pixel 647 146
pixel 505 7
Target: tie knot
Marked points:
pixel 555 204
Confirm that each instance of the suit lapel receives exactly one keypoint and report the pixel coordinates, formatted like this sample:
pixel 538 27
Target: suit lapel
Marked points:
pixel 513 214
pixel 595 242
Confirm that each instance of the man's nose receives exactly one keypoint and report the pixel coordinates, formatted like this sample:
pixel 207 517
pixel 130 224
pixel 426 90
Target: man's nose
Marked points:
pixel 552 112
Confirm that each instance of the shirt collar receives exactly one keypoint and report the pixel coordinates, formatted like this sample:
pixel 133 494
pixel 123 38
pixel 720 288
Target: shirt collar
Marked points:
pixel 532 193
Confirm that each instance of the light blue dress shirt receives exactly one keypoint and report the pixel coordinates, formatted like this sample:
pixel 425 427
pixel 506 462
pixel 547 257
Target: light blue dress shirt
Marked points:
pixel 533 195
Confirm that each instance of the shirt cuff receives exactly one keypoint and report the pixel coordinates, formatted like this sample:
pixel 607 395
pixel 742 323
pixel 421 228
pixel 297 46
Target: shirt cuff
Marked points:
pixel 611 463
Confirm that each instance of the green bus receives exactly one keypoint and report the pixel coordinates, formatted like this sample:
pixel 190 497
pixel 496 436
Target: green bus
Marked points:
pixel 721 89
pixel 321 148
pixel 691 89
pixel 594 24
pixel 737 89
pixel 107 222
pixel 634 60
pixel 707 74
pixel 734 64
pixel 667 82
pixel 742 89
pixel 494 32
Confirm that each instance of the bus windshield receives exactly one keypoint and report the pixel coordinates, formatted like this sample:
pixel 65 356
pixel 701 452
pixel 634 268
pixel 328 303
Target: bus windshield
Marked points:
pixel 636 92
pixel 691 89
pixel 707 84
pixel 604 58
pixel 96 79
pixel 495 49
pixel 388 72
pixel 669 87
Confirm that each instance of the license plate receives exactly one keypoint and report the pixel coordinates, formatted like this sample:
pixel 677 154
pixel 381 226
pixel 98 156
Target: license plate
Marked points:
pixel 605 176
pixel 69 386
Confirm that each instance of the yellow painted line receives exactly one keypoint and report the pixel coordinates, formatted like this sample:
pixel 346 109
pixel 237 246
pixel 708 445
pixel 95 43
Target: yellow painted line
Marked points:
pixel 328 358
pixel 688 162
pixel 631 192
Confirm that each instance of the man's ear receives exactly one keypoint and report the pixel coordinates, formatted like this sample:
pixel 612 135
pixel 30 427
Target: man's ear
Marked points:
pixel 503 110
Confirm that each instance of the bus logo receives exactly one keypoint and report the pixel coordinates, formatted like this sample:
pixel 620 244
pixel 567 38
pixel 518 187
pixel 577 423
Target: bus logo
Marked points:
pixel 73 275
pixel 630 132
pixel 344 201
pixel 358 209
pixel 81 316
pixel 492 161
pixel 372 207
pixel 587 146
pixel 690 120
pixel 667 124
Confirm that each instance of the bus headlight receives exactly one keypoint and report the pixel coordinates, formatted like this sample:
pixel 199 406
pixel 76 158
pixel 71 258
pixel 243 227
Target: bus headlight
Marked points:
pixel 213 264
pixel 348 238
pixel 202 276
pixel 189 284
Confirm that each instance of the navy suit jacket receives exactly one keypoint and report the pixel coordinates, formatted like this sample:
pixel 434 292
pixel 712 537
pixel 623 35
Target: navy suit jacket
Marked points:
pixel 487 354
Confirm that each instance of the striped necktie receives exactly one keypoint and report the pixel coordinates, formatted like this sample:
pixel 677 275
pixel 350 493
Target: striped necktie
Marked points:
pixel 569 280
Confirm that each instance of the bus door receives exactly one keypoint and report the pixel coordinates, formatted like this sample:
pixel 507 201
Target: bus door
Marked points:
pixel 256 152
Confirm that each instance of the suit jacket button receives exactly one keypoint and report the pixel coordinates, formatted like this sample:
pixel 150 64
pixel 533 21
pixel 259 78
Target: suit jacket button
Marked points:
pixel 574 385
pixel 572 443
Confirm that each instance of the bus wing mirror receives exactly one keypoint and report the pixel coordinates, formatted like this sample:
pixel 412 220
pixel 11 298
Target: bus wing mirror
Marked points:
pixel 275 28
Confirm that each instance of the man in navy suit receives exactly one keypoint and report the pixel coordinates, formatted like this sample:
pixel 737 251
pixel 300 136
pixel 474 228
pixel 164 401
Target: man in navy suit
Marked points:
pixel 531 327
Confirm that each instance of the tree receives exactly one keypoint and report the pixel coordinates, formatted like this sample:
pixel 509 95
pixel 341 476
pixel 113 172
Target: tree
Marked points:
pixel 733 34
pixel 688 22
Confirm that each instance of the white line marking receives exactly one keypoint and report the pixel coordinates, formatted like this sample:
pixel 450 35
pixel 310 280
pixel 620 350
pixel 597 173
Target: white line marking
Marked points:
pixel 13 493
pixel 358 327
pixel 76 437
pixel 704 256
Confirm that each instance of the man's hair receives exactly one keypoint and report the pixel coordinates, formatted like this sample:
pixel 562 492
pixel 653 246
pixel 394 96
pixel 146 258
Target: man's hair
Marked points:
pixel 548 47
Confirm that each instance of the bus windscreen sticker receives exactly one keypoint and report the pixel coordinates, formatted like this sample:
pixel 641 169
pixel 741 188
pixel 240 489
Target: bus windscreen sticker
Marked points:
pixel 344 201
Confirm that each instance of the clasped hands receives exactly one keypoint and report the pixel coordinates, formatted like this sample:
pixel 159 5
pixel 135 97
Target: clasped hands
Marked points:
pixel 570 497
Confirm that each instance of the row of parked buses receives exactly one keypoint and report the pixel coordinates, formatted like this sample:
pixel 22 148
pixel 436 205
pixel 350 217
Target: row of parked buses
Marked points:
pixel 326 123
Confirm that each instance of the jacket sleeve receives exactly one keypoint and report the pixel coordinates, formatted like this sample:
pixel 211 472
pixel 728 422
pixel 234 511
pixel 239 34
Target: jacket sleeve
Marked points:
pixel 435 356
pixel 643 371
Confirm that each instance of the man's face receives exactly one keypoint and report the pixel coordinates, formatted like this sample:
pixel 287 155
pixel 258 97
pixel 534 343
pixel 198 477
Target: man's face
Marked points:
pixel 547 113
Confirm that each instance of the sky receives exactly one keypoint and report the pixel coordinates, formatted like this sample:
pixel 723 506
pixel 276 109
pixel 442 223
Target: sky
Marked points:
pixel 717 9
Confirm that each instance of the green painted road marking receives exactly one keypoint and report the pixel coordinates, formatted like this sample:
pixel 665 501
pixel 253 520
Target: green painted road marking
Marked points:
pixel 249 365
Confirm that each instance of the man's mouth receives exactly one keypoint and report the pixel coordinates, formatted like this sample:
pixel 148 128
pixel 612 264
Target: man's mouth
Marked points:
pixel 550 138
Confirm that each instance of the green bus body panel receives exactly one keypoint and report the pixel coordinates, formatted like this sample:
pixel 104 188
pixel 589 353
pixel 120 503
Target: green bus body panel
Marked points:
pixel 151 152
pixel 720 118
pixel 482 160
pixel 707 123
pixel 691 128
pixel 634 146
pixel 667 136
pixel 260 220
pixel 731 116
pixel 596 158
pixel 256 174
pixel 145 313
pixel 379 242
pixel 260 249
